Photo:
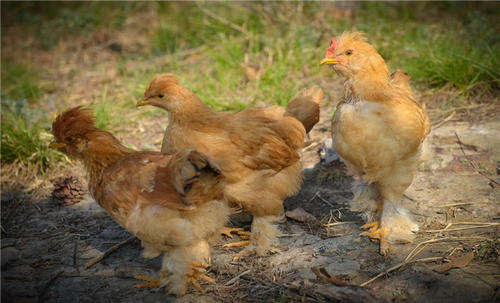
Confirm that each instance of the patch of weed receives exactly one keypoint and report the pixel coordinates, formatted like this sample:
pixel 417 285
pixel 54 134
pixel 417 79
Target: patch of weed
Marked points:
pixel 24 138
pixel 103 110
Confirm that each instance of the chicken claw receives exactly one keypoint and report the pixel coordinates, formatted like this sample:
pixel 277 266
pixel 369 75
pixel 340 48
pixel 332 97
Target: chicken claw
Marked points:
pixel 236 244
pixel 198 271
pixel 151 282
pixel 251 250
pixel 376 232
pixel 227 231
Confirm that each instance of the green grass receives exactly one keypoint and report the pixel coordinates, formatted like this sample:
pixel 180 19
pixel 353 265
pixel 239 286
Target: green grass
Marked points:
pixel 224 35
pixel 52 22
pixel 103 110
pixel 209 46
pixel 23 137
pixel 23 125
pixel 20 81
pixel 462 52
pixel 460 49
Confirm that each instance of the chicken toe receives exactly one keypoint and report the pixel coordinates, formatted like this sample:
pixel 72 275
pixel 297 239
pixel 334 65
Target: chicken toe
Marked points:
pixel 237 244
pixel 198 272
pixel 227 231
pixel 151 282
pixel 375 231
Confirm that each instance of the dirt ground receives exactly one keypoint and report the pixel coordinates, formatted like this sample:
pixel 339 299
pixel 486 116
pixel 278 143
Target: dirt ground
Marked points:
pixel 45 246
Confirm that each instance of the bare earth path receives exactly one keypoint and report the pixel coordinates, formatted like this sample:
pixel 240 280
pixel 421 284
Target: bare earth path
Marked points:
pixel 45 246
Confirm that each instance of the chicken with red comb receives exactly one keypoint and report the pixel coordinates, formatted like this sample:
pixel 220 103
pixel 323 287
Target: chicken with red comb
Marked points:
pixel 378 130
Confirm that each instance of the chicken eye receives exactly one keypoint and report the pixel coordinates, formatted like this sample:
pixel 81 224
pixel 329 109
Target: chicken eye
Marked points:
pixel 348 52
pixel 160 96
pixel 69 139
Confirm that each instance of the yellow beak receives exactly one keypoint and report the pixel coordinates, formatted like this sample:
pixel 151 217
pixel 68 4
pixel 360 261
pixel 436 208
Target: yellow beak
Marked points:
pixel 56 145
pixel 142 103
pixel 328 61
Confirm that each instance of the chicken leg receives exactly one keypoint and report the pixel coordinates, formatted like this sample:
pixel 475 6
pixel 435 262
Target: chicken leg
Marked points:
pixel 262 238
pixel 227 231
pixel 376 232
pixel 394 226
pixel 151 282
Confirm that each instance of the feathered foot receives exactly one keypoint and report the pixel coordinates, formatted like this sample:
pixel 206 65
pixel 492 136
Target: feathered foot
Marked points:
pixel 151 282
pixel 198 272
pixel 236 244
pixel 255 250
pixel 227 231
pixel 262 239
pixel 376 232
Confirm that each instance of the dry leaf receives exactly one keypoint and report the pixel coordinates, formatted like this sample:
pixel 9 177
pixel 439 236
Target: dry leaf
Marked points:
pixel 322 274
pixel 455 262
pixel 299 214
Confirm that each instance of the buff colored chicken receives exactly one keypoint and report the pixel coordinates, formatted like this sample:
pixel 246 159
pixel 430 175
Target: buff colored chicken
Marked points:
pixel 170 202
pixel 378 130
pixel 257 149
pixel 401 80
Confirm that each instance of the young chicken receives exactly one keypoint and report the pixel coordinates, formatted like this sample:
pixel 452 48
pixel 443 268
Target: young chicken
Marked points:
pixel 256 149
pixel 378 131
pixel 170 202
pixel 401 80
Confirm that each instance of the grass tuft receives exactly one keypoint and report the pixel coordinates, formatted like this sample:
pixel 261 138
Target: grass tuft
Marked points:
pixel 103 110
pixel 23 139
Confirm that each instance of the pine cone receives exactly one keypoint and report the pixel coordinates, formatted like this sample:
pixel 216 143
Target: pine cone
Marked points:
pixel 68 191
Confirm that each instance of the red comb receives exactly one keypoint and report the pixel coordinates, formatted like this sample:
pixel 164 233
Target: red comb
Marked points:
pixel 330 51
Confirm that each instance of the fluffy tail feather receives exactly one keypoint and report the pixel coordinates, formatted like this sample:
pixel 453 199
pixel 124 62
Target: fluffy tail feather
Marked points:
pixel 305 106
pixel 196 177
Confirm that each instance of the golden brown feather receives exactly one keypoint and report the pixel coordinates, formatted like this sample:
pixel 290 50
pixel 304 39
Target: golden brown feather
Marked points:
pixel 257 148
pixel 171 202
pixel 378 130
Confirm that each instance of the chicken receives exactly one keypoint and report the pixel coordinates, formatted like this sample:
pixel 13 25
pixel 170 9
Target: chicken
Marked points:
pixel 172 203
pixel 401 80
pixel 257 149
pixel 378 130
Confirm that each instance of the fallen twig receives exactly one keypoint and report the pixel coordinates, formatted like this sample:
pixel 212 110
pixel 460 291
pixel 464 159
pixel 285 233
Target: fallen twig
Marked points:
pixel 395 267
pixel 237 277
pixel 340 223
pixel 409 198
pixel 224 21
pixel 473 164
pixel 462 228
pixel 322 274
pixel 421 246
pixel 476 225
pixel 460 204
pixel 109 251
pixel 444 120
pixel 414 251
pixel 326 201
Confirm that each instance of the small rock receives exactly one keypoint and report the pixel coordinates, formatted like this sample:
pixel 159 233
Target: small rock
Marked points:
pixel 300 215
pixel 349 268
pixel 327 153
pixel 90 253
